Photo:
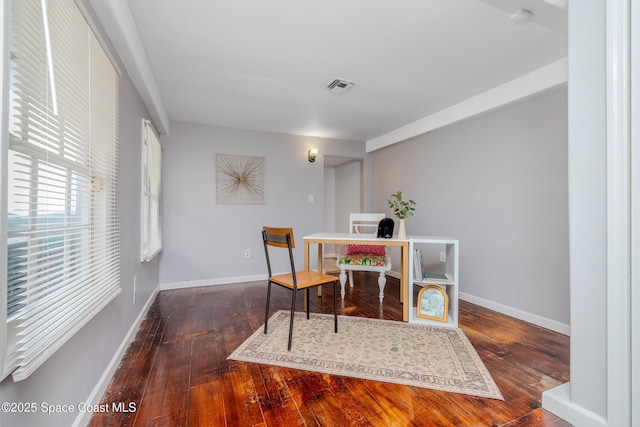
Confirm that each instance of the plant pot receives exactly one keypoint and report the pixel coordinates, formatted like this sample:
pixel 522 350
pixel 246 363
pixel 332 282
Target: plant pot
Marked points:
pixel 402 231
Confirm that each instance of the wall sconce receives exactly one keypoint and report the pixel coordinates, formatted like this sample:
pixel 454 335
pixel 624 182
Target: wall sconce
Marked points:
pixel 312 153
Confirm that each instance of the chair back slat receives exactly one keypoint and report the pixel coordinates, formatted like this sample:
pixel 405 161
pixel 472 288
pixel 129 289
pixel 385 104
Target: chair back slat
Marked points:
pixel 280 237
pixel 365 223
pixel 277 236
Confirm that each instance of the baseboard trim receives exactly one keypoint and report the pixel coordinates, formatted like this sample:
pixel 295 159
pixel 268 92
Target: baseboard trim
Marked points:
pixel 101 387
pixel 535 319
pixel 211 282
pixel 557 400
pixel 392 273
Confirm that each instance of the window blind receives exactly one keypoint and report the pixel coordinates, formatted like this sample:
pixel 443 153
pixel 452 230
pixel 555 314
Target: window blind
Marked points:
pixel 62 229
pixel 151 214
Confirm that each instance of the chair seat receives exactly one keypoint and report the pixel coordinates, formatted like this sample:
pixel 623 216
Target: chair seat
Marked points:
pixel 306 279
pixel 363 262
pixel 363 259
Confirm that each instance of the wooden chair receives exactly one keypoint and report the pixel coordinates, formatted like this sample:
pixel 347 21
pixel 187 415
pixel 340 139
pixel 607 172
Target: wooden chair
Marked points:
pixel 295 280
pixel 364 257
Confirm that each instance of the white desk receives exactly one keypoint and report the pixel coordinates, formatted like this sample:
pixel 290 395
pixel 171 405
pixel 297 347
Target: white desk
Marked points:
pixel 358 239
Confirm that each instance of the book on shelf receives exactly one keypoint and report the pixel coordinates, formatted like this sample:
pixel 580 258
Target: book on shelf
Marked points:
pixel 435 276
pixel 417 264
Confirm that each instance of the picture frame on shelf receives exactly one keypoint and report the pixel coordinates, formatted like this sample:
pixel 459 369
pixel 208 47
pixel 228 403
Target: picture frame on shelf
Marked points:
pixel 433 303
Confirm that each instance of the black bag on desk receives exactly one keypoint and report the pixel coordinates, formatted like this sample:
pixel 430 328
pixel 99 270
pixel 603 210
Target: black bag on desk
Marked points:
pixel 385 228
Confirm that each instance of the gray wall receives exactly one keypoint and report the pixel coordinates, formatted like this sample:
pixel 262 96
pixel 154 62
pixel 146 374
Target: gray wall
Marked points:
pixel 70 375
pixel 498 183
pixel 204 242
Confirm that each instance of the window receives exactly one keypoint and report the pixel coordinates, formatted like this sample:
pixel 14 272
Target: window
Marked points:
pixel 62 240
pixel 151 215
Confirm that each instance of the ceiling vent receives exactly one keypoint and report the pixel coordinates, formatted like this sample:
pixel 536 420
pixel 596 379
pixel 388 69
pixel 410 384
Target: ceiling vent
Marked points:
pixel 340 85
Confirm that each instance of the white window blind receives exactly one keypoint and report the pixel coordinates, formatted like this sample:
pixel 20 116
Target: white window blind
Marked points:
pixel 151 214
pixel 62 229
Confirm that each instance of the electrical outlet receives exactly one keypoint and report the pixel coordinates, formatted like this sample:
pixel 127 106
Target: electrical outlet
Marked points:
pixel 135 288
pixel 247 253
pixel 443 257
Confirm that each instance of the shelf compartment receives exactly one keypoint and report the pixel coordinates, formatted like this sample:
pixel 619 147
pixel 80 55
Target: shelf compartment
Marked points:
pixel 447 280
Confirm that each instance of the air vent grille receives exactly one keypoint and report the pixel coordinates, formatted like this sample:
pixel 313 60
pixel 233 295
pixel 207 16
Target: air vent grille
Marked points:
pixel 340 85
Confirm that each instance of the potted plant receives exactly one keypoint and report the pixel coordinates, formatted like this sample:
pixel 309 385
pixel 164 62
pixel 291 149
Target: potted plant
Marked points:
pixel 402 209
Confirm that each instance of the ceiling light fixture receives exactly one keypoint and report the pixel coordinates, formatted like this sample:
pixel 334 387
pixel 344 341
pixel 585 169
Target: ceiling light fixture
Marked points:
pixel 521 17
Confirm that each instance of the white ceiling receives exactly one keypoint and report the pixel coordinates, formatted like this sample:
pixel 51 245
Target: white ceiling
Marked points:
pixel 263 65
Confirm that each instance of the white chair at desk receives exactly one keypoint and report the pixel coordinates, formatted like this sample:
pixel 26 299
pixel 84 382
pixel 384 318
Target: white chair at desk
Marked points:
pixel 364 257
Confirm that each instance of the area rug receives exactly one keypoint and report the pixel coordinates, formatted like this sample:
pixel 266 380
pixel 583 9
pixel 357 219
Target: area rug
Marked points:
pixel 433 357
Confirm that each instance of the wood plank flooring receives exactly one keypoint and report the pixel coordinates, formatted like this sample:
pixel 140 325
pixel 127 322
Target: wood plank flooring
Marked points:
pixel 176 372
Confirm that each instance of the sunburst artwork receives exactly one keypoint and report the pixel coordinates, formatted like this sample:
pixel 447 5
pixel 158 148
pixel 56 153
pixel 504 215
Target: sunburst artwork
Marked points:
pixel 239 180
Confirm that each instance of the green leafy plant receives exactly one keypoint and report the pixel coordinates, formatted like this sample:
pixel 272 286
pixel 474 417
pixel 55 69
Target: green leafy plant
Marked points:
pixel 403 209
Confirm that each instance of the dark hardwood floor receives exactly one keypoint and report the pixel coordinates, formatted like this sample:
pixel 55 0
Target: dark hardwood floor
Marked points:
pixel 176 371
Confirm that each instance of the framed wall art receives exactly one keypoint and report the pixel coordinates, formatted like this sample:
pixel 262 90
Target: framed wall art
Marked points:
pixel 239 180
pixel 433 303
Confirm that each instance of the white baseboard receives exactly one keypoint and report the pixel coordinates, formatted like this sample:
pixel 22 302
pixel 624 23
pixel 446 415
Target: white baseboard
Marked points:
pixel 101 387
pixel 392 273
pixel 535 319
pixel 211 282
pixel 558 401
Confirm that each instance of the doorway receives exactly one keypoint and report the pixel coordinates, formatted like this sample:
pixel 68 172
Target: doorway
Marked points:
pixel 343 194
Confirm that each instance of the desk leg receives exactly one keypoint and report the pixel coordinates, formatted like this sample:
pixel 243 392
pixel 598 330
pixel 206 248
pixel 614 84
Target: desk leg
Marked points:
pixel 320 264
pixel 306 255
pixel 404 282
pixel 306 267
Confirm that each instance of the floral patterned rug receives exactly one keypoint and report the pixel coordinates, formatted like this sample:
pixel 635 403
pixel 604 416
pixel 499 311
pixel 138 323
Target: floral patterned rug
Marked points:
pixel 432 357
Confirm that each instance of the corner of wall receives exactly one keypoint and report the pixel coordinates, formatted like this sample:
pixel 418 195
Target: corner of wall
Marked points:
pixel 558 401
pixel 101 387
